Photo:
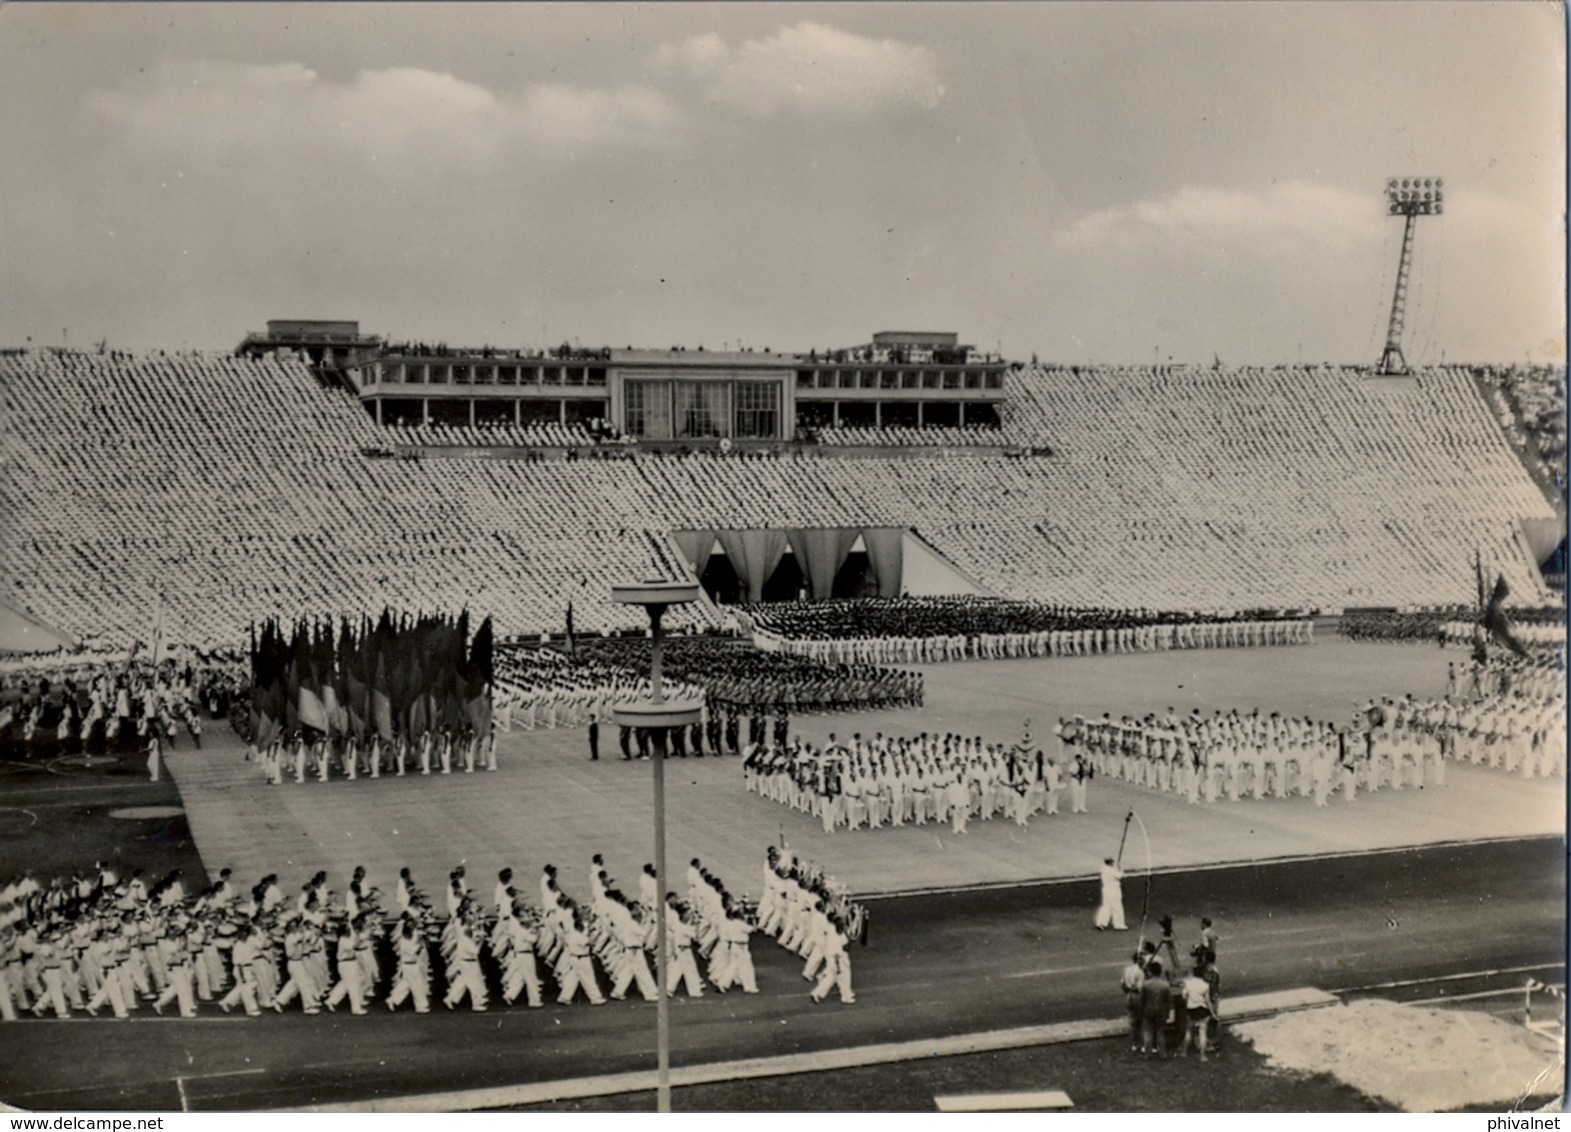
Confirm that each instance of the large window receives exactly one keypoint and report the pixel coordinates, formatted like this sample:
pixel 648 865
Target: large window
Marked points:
pixel 648 409
pixel 757 410
pixel 701 408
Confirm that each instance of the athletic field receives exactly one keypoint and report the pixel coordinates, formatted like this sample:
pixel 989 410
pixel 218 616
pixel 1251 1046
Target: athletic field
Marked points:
pixel 548 803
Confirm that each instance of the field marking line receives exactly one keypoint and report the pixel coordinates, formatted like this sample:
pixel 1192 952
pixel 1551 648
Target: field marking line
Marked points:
pixel 223 1073
pixel 1551 965
pixel 1513 991
pixel 1059 970
pixel 1197 867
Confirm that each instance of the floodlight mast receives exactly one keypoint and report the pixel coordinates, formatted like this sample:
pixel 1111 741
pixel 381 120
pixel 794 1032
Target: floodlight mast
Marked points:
pixel 1410 198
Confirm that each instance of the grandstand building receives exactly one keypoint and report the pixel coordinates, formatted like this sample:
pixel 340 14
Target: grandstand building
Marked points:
pixel 330 345
pixel 902 379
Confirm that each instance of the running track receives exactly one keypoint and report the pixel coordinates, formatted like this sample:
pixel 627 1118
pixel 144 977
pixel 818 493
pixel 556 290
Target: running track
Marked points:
pixel 939 964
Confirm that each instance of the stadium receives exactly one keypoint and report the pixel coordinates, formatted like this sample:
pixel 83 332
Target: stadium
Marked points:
pixel 1281 495
pixel 888 724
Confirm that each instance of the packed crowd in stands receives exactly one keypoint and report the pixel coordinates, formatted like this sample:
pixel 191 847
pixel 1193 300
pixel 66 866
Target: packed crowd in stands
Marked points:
pixel 912 630
pixel 902 355
pixel 106 939
pixel 891 781
pixel 506 434
pixel 566 351
pixel 1532 411
pixel 950 436
pixel 236 487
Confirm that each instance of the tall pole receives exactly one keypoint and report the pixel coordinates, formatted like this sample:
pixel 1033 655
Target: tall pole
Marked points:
pixel 1392 361
pixel 1409 198
pixel 659 712
pixel 662 1000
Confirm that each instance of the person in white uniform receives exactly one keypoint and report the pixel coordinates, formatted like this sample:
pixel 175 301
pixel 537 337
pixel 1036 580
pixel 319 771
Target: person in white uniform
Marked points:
pixel 1111 911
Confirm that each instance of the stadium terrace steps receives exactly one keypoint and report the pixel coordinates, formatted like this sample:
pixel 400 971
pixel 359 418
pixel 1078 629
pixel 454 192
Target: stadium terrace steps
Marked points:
pixel 236 489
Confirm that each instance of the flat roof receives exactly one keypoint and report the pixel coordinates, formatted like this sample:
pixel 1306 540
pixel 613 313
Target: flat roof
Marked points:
pixel 730 359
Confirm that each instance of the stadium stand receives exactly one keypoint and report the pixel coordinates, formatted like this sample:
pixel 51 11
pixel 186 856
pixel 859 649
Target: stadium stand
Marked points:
pixel 950 437
pixel 1530 404
pixel 225 489
pixel 488 434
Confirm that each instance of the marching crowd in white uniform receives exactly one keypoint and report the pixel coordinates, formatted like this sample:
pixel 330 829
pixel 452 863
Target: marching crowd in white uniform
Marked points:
pixel 544 688
pixel 1463 632
pixel 303 756
pixel 97 940
pixel 89 705
pixel 1513 718
pixel 1235 755
pixel 892 781
pixel 931 629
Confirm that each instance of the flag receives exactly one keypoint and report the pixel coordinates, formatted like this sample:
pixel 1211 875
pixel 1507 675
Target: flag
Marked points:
pixel 357 704
pixel 415 703
pixel 477 693
pixel 571 648
pixel 331 711
pixel 309 706
pixel 1495 620
pixel 158 633
pixel 382 701
pixel 256 682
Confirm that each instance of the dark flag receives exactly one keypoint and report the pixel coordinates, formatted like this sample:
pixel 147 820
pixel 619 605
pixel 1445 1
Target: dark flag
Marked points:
pixel 571 647
pixel 256 682
pixel 477 695
pixel 1480 652
pixel 1495 620
pixel 381 700
pixel 310 709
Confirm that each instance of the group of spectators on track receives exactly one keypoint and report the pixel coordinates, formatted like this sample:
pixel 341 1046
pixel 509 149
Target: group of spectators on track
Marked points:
pixel 1159 994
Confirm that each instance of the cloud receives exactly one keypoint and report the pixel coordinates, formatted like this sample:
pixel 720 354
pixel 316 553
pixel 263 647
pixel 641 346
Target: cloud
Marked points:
pixel 1293 212
pixel 808 69
pixel 393 114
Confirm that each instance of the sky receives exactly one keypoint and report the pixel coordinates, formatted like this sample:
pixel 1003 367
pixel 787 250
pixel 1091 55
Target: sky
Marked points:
pixel 1112 182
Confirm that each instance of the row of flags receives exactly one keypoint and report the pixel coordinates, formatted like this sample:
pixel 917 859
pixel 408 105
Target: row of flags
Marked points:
pixel 402 676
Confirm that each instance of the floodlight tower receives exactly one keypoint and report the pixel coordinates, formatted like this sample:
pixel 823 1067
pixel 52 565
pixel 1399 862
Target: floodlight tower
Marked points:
pixel 1408 197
